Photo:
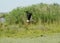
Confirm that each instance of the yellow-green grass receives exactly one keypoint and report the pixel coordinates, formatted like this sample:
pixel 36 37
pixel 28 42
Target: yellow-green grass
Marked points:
pixel 30 30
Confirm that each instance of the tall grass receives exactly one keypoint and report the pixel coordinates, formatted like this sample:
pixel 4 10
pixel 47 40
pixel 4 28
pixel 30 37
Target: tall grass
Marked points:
pixel 41 12
pixel 46 19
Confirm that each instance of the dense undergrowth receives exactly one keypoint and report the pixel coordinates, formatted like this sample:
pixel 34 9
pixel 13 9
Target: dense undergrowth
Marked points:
pixel 45 20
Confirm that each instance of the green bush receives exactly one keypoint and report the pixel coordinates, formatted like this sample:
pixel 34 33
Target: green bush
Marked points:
pixel 40 12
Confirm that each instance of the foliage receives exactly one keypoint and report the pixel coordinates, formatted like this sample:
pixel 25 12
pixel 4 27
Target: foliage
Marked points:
pixel 45 17
pixel 41 12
